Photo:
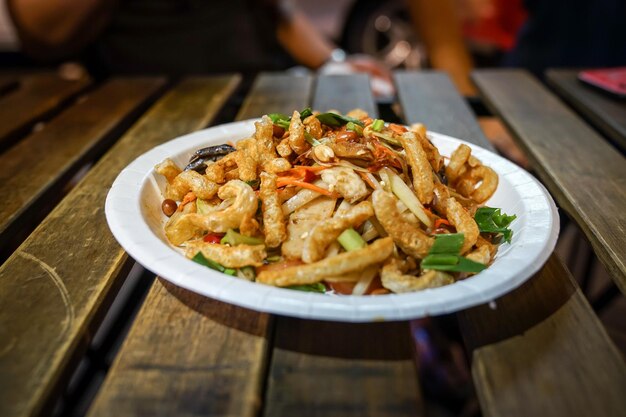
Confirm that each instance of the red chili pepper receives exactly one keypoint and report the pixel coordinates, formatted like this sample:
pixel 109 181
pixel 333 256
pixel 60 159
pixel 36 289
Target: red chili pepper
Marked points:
pixel 439 222
pixel 213 237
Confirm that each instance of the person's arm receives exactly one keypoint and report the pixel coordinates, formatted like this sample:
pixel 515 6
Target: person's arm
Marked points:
pixel 302 40
pixel 55 28
pixel 438 25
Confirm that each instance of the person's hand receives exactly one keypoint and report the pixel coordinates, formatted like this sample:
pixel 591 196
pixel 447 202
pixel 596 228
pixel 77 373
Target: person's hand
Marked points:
pixel 379 73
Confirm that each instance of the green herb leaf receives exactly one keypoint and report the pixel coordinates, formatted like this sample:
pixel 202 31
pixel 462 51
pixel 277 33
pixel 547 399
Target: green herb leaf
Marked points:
pixel 350 239
pixel 280 119
pixel 317 287
pixel 336 120
pixel 492 220
pixel 254 183
pixel 448 243
pixel 233 238
pixel 306 113
pixel 209 263
pixel 452 263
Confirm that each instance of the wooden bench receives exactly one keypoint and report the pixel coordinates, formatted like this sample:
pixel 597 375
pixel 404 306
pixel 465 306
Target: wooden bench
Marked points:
pixel 541 351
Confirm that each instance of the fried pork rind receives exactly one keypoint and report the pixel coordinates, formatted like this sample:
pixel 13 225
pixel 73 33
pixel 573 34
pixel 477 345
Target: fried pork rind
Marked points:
pixel 273 216
pixel 240 203
pixel 327 231
pixel 277 165
pixel 168 169
pixel 302 221
pixel 263 136
pixel 193 181
pixel 463 222
pixel 247 160
pixel 432 153
pixel 314 127
pixel 393 277
pixel 297 141
pixel 346 182
pixel 341 264
pixel 481 255
pixel 487 178
pixel 456 166
pixel 283 148
pixel 422 171
pixel 228 256
pixel 411 239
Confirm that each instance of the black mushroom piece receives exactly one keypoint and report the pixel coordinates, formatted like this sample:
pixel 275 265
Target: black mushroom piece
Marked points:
pixel 198 160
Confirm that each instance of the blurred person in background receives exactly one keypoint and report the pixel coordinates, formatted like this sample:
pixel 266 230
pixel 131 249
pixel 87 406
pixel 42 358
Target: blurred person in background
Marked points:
pixel 177 37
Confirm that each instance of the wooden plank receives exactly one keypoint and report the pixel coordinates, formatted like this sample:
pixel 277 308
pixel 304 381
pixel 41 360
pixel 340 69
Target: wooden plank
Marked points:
pixel 547 301
pixel 430 95
pixel 220 370
pixel 33 171
pixel 342 369
pixel 276 93
pixel 585 175
pixel 187 355
pixel 54 288
pixel 37 96
pixel 338 369
pixel 565 365
pixel 606 113
pixel 344 93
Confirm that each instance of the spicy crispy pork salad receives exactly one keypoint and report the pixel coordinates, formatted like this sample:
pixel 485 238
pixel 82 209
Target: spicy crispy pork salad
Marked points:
pixel 335 203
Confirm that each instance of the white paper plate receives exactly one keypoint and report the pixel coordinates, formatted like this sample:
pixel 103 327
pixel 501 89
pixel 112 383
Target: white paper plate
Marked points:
pixel 133 211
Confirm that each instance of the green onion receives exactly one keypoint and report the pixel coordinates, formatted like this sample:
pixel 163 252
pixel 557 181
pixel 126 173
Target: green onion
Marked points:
pixel 233 238
pixel 209 263
pixel 336 120
pixel 386 138
pixel 449 243
pixel 311 139
pixel 248 272
pixel 492 220
pixel 254 183
pixel 350 239
pixel 444 255
pixel 353 127
pixel 452 263
pixel 378 125
pixel 317 287
pixel 274 258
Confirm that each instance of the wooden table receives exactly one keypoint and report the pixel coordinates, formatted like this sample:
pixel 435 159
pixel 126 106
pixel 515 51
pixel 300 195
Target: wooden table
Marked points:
pixel 540 351
pixel 606 113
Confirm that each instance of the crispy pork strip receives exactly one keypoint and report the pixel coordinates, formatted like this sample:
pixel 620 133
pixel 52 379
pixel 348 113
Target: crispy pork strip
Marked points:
pixel 420 167
pixel 408 236
pixel 297 141
pixel 327 231
pixel 228 256
pixel 273 216
pixel 337 265
pixel 190 180
pixel 393 278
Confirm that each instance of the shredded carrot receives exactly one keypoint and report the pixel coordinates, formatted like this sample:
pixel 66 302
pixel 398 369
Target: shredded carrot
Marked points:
pixel 367 121
pixel 188 198
pixel 367 179
pixel 397 128
pixel 290 181
pixel 439 222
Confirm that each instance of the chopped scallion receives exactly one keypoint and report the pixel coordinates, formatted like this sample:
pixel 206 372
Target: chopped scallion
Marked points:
pixel 378 125
pixel 350 239
pixel 233 238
